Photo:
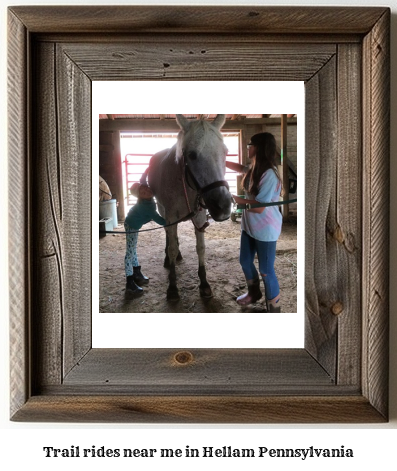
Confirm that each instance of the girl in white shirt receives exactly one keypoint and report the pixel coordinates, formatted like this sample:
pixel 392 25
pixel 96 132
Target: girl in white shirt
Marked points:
pixel 260 227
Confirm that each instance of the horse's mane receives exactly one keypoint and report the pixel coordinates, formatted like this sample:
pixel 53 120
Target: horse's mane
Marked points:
pixel 200 127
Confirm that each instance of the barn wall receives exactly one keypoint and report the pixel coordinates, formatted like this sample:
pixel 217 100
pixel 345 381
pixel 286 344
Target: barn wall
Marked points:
pixel 110 166
pixel 292 145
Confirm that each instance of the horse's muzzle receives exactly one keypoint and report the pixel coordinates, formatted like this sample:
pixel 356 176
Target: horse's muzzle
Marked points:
pixel 219 203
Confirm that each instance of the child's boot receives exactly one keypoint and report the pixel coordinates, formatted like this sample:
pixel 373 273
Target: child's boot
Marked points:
pixel 138 277
pixel 132 288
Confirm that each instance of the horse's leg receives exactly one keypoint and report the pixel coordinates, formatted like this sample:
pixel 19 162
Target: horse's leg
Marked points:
pixel 205 288
pixel 179 256
pixel 172 292
pixel 167 259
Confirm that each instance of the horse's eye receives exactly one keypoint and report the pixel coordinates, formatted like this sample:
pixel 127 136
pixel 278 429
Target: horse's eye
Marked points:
pixel 192 155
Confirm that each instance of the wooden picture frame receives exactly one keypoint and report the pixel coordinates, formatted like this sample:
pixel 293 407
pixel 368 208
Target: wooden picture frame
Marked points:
pixel 342 54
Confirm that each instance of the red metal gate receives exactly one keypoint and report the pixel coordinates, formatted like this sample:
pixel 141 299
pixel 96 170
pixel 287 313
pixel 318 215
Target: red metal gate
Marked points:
pixel 135 165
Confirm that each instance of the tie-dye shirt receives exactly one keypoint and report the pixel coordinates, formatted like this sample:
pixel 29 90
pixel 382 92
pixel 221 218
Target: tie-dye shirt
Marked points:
pixel 265 226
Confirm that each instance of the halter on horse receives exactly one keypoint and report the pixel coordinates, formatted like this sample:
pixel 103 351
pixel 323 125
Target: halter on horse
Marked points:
pixel 200 191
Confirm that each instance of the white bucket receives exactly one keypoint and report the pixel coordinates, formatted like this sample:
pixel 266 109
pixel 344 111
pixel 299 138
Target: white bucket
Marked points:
pixel 108 209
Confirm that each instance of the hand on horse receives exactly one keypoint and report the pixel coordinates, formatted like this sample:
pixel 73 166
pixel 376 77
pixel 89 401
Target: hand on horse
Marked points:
pixel 239 200
pixel 242 201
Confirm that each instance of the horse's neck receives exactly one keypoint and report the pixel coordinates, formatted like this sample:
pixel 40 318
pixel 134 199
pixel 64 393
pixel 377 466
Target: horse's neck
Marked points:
pixel 171 156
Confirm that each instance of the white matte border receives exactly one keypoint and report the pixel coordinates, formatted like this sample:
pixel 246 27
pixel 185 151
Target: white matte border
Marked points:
pixel 214 330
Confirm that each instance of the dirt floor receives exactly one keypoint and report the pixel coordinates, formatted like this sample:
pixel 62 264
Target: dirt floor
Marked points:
pixel 224 273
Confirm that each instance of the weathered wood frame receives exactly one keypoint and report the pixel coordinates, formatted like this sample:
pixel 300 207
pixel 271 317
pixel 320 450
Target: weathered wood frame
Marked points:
pixel 343 56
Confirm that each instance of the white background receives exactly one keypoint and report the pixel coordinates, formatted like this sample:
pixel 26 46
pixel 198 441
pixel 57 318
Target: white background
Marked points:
pixel 21 444
pixel 226 330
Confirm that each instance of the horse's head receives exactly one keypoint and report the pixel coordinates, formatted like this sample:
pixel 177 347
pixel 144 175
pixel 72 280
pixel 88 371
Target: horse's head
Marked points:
pixel 200 145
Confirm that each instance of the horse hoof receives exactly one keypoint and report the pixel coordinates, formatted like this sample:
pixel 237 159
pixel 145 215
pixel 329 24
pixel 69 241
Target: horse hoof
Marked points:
pixel 172 295
pixel 179 257
pixel 206 292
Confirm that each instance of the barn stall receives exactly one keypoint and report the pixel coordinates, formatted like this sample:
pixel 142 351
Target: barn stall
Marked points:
pixel 126 145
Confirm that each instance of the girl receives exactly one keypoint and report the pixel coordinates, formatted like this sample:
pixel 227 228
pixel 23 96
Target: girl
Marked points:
pixel 143 212
pixel 260 227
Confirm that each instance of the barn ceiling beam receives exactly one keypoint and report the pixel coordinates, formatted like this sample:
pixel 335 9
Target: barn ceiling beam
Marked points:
pixel 170 125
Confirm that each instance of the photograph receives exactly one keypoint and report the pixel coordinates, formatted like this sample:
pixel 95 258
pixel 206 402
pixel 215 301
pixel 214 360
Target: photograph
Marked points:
pixel 175 231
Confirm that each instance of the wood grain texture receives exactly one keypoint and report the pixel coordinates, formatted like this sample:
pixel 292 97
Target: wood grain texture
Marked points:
pixel 62 223
pixel 205 369
pixel 197 19
pixel 346 225
pixel 47 283
pixel 19 201
pixel 334 215
pixel 223 59
pixel 74 178
pixel 338 377
pixel 199 409
pixel 376 90
pixel 320 174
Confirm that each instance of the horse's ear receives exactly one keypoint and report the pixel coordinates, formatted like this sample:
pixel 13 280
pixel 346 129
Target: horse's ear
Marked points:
pixel 219 121
pixel 182 122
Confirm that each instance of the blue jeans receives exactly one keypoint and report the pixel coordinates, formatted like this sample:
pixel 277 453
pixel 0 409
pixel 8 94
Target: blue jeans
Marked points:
pixel 266 257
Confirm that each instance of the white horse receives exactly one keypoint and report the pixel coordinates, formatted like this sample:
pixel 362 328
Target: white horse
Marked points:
pixel 186 180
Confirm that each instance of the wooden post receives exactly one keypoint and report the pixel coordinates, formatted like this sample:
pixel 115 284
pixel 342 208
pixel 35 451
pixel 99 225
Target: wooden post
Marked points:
pixel 284 164
pixel 119 176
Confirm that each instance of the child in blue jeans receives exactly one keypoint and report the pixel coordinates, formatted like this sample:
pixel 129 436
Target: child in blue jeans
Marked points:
pixel 143 212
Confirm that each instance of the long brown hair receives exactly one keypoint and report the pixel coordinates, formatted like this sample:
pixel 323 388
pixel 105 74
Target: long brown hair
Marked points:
pixel 265 158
